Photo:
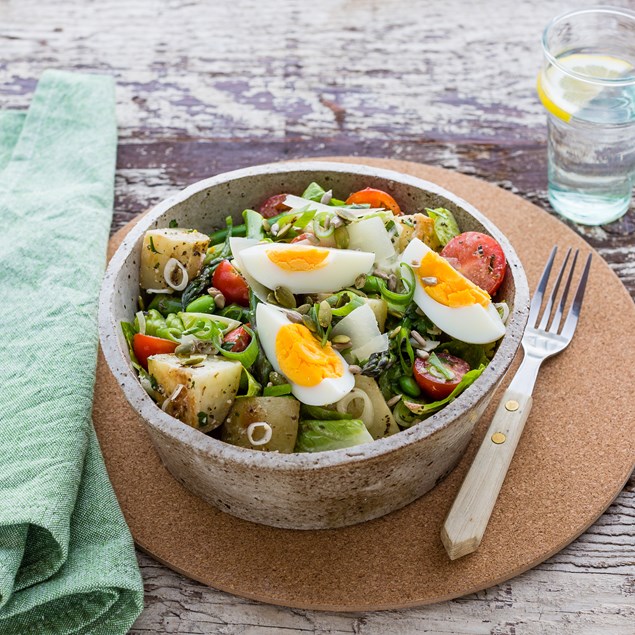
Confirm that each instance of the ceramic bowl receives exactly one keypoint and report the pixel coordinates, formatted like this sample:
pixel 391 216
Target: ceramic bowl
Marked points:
pixel 304 491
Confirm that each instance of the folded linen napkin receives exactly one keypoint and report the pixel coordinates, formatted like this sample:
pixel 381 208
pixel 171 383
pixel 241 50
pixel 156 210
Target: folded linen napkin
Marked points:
pixel 67 563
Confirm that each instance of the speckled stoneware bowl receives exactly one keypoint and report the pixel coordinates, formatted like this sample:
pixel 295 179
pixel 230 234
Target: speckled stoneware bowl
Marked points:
pixel 304 491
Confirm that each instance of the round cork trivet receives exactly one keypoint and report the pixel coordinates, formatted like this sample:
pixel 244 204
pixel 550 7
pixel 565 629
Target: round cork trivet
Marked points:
pixel 577 451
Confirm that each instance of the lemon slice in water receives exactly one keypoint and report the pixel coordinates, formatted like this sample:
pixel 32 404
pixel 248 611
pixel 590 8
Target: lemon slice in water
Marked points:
pixel 563 95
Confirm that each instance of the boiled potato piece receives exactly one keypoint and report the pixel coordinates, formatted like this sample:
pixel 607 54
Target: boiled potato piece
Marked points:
pixel 384 423
pixel 159 245
pixel 281 413
pixel 380 309
pixel 208 389
pixel 423 229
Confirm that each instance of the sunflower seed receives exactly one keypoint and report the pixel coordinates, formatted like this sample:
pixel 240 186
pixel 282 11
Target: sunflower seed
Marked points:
pixel 341 339
pixel 394 332
pixel 213 291
pixel 325 314
pixel 336 222
pixel 284 297
pixel 183 350
pixel 326 197
pixel 392 282
pixel 360 281
pixel 421 354
pixel 345 214
pixel 219 300
pixel 355 370
pixel 266 225
pixel 283 231
pixel 429 281
pixel 380 274
pixel 415 263
pixel 393 401
pixel 275 228
pixel 417 337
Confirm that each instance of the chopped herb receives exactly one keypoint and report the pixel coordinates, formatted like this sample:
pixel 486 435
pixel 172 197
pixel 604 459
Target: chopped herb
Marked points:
pixel 173 224
pixel 152 248
pixel 202 419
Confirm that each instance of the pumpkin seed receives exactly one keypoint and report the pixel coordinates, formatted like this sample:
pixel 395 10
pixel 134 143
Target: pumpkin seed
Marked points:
pixel 184 350
pixel 394 332
pixel 284 297
pixel 283 231
pixel 341 339
pixel 193 360
pixel 294 317
pixel 304 308
pixel 266 225
pixel 325 314
pixel 342 239
pixel 345 214
pixel 309 323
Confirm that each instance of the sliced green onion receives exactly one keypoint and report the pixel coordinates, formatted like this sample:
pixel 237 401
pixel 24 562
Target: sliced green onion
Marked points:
pixel 247 357
pixel 399 299
pixel 436 363
pixel 276 391
pixel 221 235
pixel 323 414
pixel 344 302
pixel 407 358
pixel 253 223
pixel 321 232
pixel 249 387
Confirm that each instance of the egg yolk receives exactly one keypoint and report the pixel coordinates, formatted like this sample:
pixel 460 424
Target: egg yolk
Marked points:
pixel 302 359
pixel 298 259
pixel 451 289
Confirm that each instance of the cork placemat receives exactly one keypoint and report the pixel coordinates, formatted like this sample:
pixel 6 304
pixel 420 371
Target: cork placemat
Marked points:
pixel 577 451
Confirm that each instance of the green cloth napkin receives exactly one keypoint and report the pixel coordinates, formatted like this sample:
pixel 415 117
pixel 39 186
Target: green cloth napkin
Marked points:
pixel 67 562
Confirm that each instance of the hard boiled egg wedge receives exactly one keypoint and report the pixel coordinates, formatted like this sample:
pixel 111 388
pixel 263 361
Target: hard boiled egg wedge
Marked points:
pixel 304 268
pixel 318 374
pixel 454 303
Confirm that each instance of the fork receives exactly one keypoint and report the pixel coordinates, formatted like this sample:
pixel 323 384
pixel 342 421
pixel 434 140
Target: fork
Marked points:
pixel 467 520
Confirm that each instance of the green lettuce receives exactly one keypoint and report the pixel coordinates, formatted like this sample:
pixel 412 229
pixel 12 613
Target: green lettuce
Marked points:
pixel 445 225
pixel 319 436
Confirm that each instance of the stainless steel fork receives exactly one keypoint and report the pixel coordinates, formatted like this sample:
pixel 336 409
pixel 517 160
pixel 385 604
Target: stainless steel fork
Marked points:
pixel 468 518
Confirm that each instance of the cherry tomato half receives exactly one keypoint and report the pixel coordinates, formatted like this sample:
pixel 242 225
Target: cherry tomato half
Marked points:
pixel 146 345
pixel 479 258
pixel 239 338
pixel 437 387
pixel 231 284
pixel 375 198
pixel 273 206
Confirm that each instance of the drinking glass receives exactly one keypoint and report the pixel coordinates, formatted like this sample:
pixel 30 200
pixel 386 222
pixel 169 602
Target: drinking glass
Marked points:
pixel 587 85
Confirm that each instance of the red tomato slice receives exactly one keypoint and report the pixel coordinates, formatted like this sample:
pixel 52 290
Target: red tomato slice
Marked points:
pixel 479 258
pixel 239 338
pixel 146 345
pixel 437 387
pixel 231 284
pixel 375 198
pixel 273 206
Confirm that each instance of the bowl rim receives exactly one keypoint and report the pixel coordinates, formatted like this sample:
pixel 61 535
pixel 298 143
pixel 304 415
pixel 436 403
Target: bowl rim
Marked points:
pixel 118 360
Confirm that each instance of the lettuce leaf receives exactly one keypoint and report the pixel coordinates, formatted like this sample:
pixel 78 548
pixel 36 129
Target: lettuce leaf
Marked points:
pixel 445 225
pixel 319 436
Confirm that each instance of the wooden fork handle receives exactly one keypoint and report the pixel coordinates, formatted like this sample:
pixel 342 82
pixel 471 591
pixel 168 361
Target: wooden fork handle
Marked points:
pixel 466 523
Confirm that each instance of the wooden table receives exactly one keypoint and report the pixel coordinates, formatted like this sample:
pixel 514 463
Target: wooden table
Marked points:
pixel 206 87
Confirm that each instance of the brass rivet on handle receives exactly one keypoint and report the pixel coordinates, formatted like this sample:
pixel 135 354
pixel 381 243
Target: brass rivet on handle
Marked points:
pixel 498 438
pixel 512 405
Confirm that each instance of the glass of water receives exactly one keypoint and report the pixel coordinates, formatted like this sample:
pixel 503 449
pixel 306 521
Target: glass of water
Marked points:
pixel 587 85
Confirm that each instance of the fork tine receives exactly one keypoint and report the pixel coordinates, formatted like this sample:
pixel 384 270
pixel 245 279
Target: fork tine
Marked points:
pixel 574 312
pixel 555 324
pixel 536 300
pixel 554 293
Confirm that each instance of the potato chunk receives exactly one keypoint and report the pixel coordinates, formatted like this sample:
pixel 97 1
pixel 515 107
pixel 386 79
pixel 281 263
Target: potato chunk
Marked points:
pixel 209 388
pixel 159 245
pixel 281 413
pixel 384 423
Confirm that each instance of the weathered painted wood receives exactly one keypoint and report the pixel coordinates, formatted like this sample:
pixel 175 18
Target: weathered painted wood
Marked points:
pixel 208 87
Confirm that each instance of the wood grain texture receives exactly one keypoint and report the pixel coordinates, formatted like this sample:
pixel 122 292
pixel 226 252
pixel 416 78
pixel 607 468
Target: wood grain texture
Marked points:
pixel 205 87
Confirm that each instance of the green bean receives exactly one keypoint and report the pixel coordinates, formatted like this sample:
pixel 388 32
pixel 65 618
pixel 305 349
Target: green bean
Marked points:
pixel 220 235
pixel 409 386
pixel 165 304
pixel 204 304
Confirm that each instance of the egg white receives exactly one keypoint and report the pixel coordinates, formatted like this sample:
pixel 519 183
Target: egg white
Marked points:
pixel 269 320
pixel 474 324
pixel 340 269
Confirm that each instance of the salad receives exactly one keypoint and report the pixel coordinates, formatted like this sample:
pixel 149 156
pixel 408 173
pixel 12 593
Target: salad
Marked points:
pixel 318 323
